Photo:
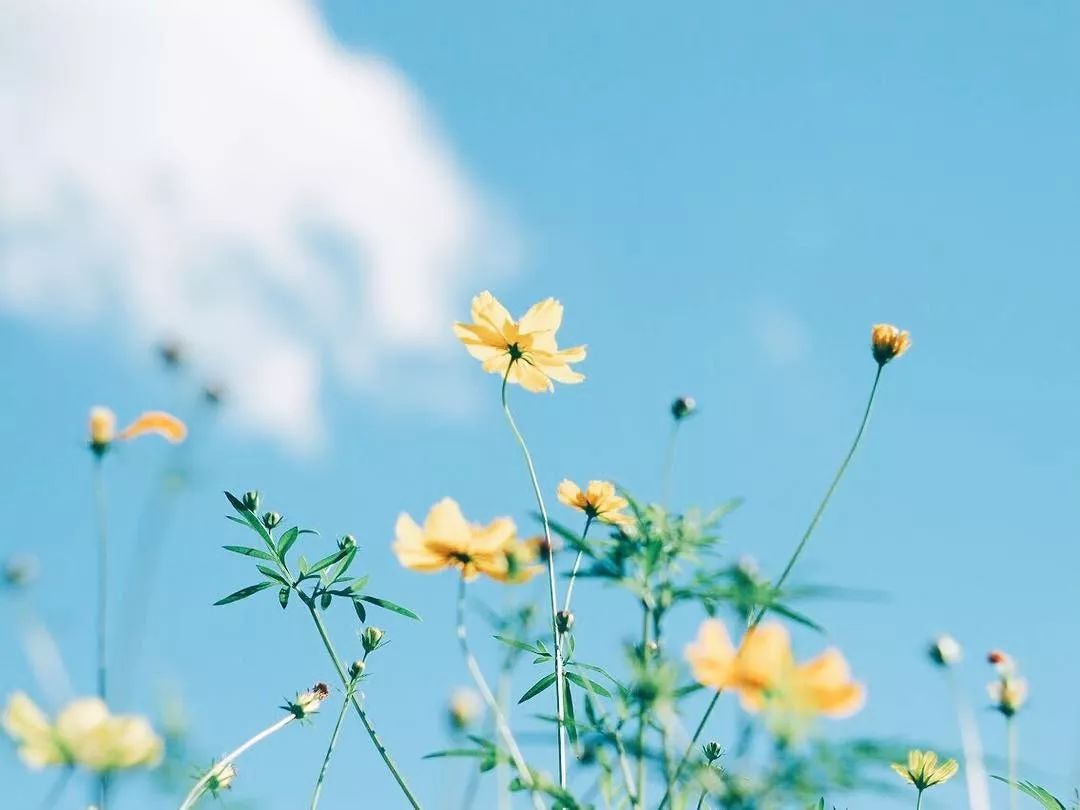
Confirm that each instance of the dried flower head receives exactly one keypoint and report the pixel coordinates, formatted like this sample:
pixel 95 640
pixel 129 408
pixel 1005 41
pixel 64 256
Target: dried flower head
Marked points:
pixel 308 703
pixel 888 342
pixel 221 778
pixel 923 770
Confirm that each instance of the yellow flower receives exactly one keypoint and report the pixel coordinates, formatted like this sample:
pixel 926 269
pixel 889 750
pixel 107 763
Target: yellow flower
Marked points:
pixel 103 428
pixel 597 501
pixel 764 673
pixel 888 342
pixel 1009 694
pixel 84 734
pixel 447 540
pixel 923 769
pixel 524 351
pixel 464 708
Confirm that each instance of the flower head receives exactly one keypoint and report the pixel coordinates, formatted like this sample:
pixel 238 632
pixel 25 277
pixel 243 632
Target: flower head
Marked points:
pixel 923 770
pixel 598 500
pixel 447 540
pixel 464 708
pixel 103 428
pixel 85 733
pixel 221 778
pixel 525 351
pixel 888 342
pixel 945 651
pixel 1009 692
pixel 307 703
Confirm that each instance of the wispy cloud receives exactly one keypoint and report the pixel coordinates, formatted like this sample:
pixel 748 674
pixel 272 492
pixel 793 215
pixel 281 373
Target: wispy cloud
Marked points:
pixel 226 173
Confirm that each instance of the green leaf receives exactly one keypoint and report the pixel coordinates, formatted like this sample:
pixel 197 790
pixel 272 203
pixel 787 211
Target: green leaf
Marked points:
pixel 594 668
pixel 283 596
pixel 457 752
pixel 538 687
pixel 274 575
pixel 571 721
pixel 247 551
pixel 243 593
pixel 520 645
pixel 593 686
pixel 1041 795
pixel 252 520
pixel 386 604
pixel 361 611
pixel 341 567
pixel 325 601
pixel 796 617
pixel 287 540
pixel 327 561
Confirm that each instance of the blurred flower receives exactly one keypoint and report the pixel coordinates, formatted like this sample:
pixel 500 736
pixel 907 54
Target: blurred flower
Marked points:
pixel 447 540
pixel 1009 694
pixel 683 407
pixel 221 778
pixel 923 769
pixel 464 708
pixel 888 342
pixel 103 428
pixel 524 351
pixel 1002 662
pixel 84 734
pixel 597 501
pixel 20 570
pixel 945 651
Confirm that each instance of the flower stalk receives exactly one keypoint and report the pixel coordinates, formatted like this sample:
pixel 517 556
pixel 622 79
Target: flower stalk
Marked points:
pixel 333 742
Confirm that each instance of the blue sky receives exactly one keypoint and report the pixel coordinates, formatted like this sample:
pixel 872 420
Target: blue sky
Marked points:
pixel 724 199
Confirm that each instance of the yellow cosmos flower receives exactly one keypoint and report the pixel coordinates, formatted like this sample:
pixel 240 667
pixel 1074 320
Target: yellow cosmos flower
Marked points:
pixel 598 501
pixel 764 673
pixel 84 734
pixel 103 428
pixel 524 351
pixel 888 342
pixel 447 540
pixel 923 770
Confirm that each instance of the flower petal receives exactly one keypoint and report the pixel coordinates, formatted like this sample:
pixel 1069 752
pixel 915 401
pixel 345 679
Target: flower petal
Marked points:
pixel 546 316
pixel 159 422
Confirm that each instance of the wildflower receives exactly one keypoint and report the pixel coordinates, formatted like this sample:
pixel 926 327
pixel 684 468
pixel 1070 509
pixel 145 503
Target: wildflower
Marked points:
pixel 84 734
pixel 683 407
pixel 525 351
pixel 598 501
pixel 307 703
pixel 464 708
pixel 103 428
pixel 1009 692
pixel 888 342
pixel 372 638
pixel 221 778
pixel 447 540
pixel 924 771
pixel 945 651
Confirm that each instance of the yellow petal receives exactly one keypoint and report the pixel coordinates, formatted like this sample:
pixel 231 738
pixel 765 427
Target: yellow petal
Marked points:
pixel 545 316
pixel 159 422
pixel 487 311
pixel 102 425
pixel 23 719
pixel 446 524
pixel 531 379
pixel 764 657
pixel 569 494
pixel 712 655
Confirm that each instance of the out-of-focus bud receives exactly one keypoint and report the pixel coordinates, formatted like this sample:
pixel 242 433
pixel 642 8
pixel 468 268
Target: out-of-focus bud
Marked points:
pixel 271 519
pixel 20 570
pixel 1002 662
pixel 544 549
pixel 213 393
pixel 945 651
pixel 683 407
pixel 307 703
pixel 251 500
pixel 171 353
pixel 712 751
pixel 356 669
pixel 888 342
pixel 564 620
pixel 372 638
pixel 221 778
pixel 102 429
pixel 464 708
pixel 1009 694
pixel 346 542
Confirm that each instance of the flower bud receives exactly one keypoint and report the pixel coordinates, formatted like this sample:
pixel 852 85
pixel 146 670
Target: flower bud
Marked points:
pixel 251 501
pixel 372 639
pixel 564 620
pixel 171 353
pixel 221 778
pixel 356 669
pixel 213 393
pixel 346 542
pixel 945 651
pixel 683 407
pixel 712 751
pixel 1009 694
pixel 102 429
pixel 464 708
pixel 271 519
pixel 887 342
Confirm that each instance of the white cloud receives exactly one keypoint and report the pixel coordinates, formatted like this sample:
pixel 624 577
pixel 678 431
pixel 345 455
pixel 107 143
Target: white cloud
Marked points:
pixel 225 172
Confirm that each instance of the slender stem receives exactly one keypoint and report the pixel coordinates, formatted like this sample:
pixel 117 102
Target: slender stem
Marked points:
pixel 824 501
pixel 701 799
pixel 333 742
pixel 918 801
pixel 493 705
pixel 642 720
pixel 1010 730
pixel 669 464
pixel 103 578
pixel 560 675
pixel 690 748
pixel 577 565
pixel 57 790
pixel 974 769
pixel 502 696
pixel 231 757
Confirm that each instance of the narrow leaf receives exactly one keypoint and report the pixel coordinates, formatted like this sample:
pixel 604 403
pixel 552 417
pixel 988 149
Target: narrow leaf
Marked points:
pixel 538 687
pixel 593 685
pixel 248 552
pixel 386 604
pixel 283 596
pixel 287 540
pixel 274 575
pixel 361 611
pixel 243 593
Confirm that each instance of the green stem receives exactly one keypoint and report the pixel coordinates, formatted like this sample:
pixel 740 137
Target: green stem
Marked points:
pixel 57 790
pixel 701 799
pixel 501 725
pixel 231 757
pixel 646 622
pixel 1010 730
pixel 690 748
pixel 918 801
pixel 344 676
pixel 824 501
pixel 103 578
pixel 577 565
pixel 333 742
pixel 560 675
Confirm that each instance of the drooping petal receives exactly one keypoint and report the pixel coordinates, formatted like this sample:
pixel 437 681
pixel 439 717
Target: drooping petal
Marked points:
pixel 826 683
pixel 545 316
pixel 159 422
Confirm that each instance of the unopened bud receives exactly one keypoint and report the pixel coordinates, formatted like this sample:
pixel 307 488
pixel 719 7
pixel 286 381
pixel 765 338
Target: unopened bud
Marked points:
pixel 945 651
pixel 564 620
pixel 347 541
pixel 251 501
pixel 102 429
pixel 356 669
pixel 372 638
pixel 271 519
pixel 712 751
pixel 683 407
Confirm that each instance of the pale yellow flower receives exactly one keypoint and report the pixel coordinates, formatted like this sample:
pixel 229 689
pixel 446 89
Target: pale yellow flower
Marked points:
pixel 103 428
pixel 598 500
pixel 116 743
pixel 524 351
pixel 447 540
pixel 464 708
pixel 923 770
pixel 888 342
pixel 1009 694
pixel 31 730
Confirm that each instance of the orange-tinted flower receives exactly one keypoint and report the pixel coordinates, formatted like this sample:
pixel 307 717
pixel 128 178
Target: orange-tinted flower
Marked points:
pixel 598 500
pixel 888 342
pixel 103 428
pixel 524 351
